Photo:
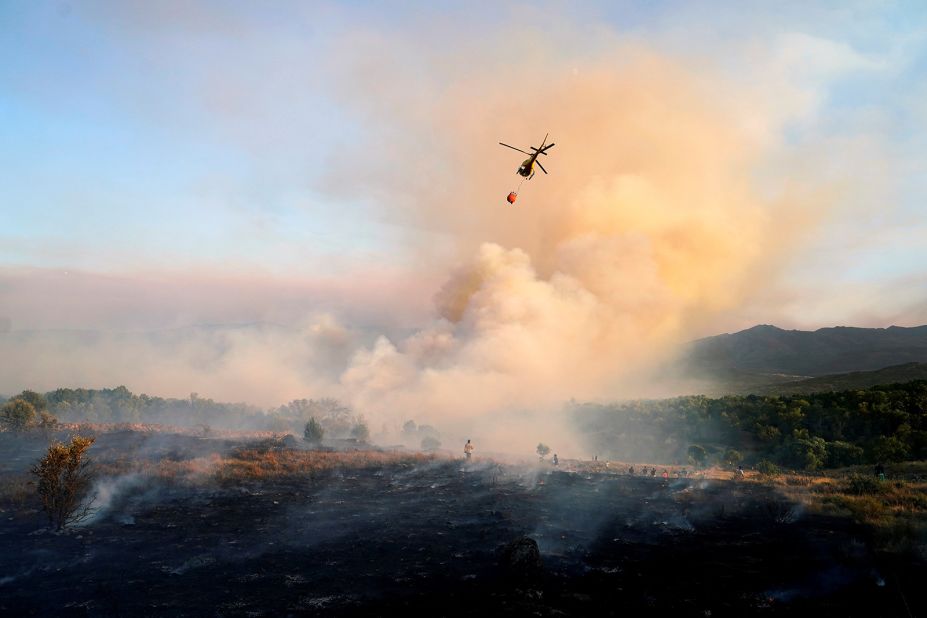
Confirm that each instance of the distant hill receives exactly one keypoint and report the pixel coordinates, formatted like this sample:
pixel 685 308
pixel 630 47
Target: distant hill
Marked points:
pixel 765 358
pixel 856 380
pixel 768 349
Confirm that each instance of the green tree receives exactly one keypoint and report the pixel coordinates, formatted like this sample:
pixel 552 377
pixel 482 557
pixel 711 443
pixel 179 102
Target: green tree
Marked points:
pixel 841 454
pixel 697 455
pixel 313 433
pixel 542 450
pixel 803 453
pixel 430 443
pixel 360 431
pixel 37 400
pixel 768 433
pixel 889 449
pixel 17 415
pixel 767 468
pixel 733 457
pixel 47 423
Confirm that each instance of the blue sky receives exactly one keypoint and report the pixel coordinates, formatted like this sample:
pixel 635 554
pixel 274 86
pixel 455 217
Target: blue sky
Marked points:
pixel 114 155
pixel 170 137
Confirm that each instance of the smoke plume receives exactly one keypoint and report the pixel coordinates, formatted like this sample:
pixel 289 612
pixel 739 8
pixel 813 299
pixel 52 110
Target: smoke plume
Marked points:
pixel 649 225
pixel 653 222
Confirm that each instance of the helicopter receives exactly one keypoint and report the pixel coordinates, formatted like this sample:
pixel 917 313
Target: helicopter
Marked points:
pixel 526 170
pixel 527 167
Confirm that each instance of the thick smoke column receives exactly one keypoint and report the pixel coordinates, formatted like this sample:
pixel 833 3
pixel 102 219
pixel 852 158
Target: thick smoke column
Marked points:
pixel 651 224
pixel 648 225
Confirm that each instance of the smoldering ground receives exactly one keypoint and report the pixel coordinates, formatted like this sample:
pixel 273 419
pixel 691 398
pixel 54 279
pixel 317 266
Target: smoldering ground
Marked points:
pixel 430 535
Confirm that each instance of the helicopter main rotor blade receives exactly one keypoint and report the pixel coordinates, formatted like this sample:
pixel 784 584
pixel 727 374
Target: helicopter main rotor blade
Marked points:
pixel 514 148
pixel 543 150
pixel 541 166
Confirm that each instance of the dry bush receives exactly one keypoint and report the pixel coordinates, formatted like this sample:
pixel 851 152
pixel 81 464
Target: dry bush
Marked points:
pixel 904 537
pixel 868 509
pixel 778 511
pixel 64 479
pixel 864 485
pixel 17 492
pixel 895 511
pixel 798 481
pixel 908 498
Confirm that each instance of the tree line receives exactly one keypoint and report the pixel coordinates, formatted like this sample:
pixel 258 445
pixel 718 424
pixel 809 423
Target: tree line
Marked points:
pixel 878 424
pixel 821 430
pixel 120 405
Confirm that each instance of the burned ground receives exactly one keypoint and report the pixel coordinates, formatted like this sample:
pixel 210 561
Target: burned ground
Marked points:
pixel 381 534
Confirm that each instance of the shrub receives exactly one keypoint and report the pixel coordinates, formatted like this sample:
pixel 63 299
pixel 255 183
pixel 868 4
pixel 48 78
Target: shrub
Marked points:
pixel 767 468
pixel 542 450
pixel 863 485
pixel 17 415
pixel 313 433
pixel 64 481
pixel 778 511
pixel 865 508
pixel 430 443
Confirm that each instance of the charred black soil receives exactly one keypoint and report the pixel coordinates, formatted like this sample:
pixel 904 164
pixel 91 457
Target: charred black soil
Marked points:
pixel 430 537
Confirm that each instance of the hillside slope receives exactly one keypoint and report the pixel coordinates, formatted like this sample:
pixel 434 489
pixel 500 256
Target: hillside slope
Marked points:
pixel 767 349
pixel 855 380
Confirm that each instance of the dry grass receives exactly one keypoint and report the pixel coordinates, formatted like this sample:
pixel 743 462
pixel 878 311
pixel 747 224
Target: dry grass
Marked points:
pixel 18 491
pixel 200 430
pixel 895 509
pixel 620 468
pixel 258 464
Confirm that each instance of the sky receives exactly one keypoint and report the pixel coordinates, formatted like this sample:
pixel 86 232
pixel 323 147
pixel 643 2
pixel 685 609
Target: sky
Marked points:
pixel 718 164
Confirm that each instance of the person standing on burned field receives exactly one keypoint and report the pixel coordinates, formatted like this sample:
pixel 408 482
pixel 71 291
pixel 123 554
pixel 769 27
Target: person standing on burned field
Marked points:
pixel 468 449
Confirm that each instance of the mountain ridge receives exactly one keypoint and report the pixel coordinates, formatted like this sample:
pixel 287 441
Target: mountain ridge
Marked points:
pixel 768 349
